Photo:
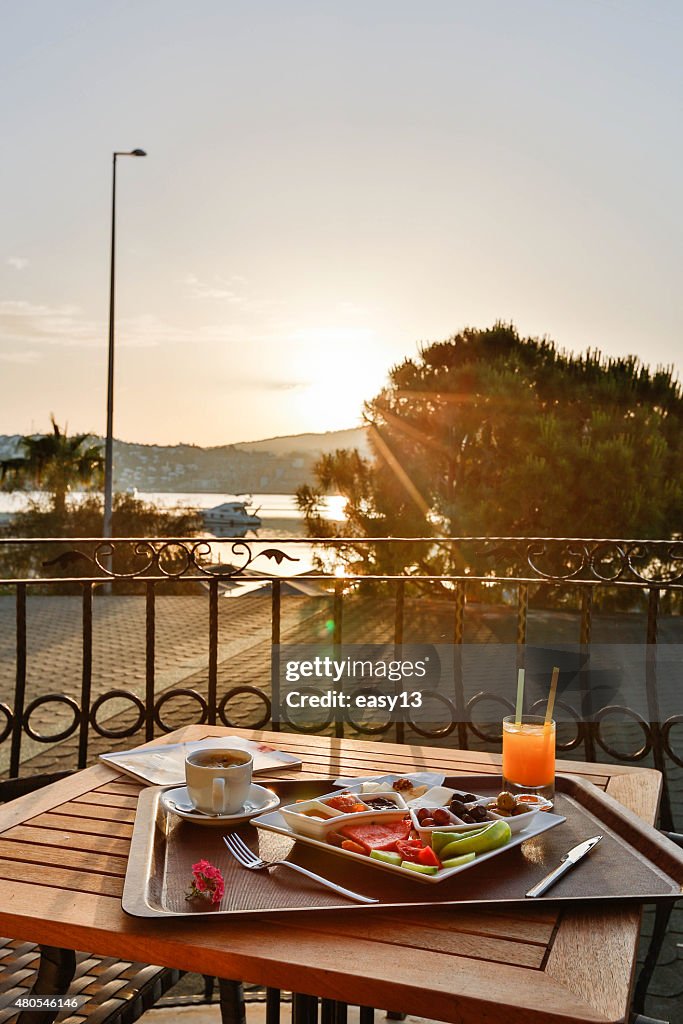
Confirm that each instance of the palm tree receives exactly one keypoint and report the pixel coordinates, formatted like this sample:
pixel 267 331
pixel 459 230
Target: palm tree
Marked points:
pixel 55 463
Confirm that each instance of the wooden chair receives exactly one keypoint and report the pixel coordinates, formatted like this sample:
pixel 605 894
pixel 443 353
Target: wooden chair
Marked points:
pixel 117 991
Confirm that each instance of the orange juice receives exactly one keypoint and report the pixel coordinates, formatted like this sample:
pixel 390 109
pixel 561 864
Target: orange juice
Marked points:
pixel 529 755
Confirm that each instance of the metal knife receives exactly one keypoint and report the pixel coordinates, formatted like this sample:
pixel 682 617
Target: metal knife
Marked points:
pixel 568 862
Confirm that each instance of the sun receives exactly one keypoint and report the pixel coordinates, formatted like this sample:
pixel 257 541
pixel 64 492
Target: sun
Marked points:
pixel 342 367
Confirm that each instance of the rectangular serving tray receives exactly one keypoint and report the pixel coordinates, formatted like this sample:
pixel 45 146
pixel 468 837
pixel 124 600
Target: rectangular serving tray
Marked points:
pixel 632 863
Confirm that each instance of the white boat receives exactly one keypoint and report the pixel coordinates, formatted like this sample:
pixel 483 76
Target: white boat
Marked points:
pixel 231 514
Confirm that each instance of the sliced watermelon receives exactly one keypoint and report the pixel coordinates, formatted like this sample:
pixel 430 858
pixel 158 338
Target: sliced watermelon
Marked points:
pixel 377 836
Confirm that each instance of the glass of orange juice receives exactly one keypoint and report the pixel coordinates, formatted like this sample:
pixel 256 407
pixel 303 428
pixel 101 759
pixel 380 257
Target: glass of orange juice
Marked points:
pixel 529 755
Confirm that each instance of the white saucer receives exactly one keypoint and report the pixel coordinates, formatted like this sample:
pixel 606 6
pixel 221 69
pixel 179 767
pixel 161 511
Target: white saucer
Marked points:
pixel 259 801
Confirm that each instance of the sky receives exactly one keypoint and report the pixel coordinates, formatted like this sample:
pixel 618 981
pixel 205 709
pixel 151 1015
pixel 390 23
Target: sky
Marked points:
pixel 328 185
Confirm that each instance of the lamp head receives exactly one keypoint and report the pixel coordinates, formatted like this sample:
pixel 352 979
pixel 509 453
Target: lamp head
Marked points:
pixel 138 152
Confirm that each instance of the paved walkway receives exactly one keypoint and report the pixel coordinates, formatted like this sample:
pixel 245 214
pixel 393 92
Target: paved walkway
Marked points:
pixel 256 1014
pixel 54 651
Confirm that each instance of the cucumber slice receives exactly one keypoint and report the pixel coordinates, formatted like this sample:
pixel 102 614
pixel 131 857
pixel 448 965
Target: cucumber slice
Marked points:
pixel 386 856
pixel 424 869
pixel 440 840
pixel 456 862
pixel 496 834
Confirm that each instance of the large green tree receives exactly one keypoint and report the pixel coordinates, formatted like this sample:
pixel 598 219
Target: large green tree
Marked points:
pixel 55 463
pixel 489 433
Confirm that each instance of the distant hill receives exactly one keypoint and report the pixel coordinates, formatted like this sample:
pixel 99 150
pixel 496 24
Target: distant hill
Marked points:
pixel 317 443
pixel 275 465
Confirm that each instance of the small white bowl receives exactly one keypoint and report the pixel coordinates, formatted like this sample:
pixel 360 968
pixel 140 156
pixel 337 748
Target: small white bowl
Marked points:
pixel 299 821
pixel 390 794
pixel 425 833
pixel 517 822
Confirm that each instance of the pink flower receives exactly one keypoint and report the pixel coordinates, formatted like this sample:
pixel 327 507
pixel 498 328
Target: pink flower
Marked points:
pixel 207 881
pixel 218 890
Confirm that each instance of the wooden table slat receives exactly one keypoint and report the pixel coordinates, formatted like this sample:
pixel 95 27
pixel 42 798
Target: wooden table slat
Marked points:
pixel 121 785
pixel 63 878
pixel 522 927
pixel 45 799
pixel 56 856
pixel 74 809
pixel 100 799
pixel 91 826
pixel 397 932
pixel 116 847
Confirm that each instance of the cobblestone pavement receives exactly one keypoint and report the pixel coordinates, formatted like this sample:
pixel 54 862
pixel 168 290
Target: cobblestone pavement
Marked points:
pixel 54 666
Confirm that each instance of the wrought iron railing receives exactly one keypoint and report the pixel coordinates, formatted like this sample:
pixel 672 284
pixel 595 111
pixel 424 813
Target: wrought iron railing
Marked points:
pixel 564 573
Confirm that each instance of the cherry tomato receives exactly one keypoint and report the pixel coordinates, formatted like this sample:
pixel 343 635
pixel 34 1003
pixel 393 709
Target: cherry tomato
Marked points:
pixel 427 856
pixel 409 849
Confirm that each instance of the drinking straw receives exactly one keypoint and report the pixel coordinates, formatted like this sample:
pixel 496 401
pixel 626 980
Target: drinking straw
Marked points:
pixel 520 696
pixel 551 696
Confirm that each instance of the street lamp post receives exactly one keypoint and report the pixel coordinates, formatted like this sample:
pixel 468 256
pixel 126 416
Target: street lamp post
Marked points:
pixel 109 443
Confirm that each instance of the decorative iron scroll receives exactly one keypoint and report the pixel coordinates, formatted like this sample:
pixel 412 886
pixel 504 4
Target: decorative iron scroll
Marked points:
pixel 600 561
pixel 169 558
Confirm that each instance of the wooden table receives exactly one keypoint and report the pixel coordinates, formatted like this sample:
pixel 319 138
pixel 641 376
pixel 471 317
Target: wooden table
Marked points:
pixel 63 854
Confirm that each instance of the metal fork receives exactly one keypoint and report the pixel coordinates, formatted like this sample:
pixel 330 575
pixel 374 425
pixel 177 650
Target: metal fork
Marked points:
pixel 241 852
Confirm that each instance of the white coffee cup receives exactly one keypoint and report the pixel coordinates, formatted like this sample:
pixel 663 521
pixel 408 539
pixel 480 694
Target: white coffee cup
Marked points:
pixel 218 779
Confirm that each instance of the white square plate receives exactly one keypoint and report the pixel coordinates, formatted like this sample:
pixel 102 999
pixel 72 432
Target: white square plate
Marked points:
pixel 274 822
